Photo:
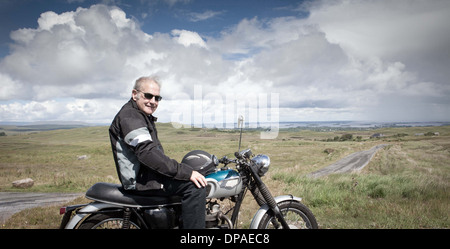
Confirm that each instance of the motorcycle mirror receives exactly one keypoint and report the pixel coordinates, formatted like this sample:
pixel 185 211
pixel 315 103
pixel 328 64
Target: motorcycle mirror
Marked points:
pixel 240 121
pixel 240 124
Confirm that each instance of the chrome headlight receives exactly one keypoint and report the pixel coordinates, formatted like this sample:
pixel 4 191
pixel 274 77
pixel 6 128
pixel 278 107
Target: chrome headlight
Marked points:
pixel 262 162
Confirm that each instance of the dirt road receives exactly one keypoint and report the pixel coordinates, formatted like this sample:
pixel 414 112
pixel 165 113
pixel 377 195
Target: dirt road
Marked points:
pixel 13 202
pixel 353 162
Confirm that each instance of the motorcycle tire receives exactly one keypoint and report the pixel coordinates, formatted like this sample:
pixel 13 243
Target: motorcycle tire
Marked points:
pixel 106 221
pixel 297 215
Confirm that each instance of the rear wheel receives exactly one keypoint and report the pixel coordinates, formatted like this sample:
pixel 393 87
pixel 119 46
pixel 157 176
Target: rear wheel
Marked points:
pixel 297 216
pixel 106 221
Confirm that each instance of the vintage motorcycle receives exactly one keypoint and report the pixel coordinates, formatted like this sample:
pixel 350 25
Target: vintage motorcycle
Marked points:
pixel 113 207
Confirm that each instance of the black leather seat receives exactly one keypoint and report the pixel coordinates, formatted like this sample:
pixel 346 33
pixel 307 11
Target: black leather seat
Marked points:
pixel 115 194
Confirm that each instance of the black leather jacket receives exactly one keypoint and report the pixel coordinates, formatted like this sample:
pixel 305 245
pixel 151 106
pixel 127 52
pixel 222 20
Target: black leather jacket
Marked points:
pixel 138 154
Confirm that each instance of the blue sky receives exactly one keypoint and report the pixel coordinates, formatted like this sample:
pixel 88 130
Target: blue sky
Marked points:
pixel 76 60
pixel 204 16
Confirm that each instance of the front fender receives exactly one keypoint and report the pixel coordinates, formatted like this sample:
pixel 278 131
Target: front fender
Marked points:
pixel 264 208
pixel 89 209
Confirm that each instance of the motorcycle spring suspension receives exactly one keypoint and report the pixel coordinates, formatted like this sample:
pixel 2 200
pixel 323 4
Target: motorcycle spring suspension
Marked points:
pixel 126 219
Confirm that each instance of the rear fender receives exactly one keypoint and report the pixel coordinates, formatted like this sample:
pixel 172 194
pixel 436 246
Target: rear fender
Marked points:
pixel 67 214
pixel 264 208
pixel 93 207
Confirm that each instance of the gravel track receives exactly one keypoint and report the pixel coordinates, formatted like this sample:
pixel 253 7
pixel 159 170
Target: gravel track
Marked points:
pixel 13 202
pixel 353 162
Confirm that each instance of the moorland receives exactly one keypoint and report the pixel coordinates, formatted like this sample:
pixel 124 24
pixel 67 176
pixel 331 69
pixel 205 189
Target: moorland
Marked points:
pixel 406 184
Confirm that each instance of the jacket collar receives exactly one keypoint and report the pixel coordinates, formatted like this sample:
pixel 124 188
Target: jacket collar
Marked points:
pixel 134 105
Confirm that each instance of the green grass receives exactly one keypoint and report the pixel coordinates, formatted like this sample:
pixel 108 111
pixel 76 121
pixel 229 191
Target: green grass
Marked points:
pixel 406 185
pixel 50 158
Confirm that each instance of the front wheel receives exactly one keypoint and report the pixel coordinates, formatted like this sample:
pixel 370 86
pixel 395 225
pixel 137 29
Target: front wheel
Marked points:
pixel 297 216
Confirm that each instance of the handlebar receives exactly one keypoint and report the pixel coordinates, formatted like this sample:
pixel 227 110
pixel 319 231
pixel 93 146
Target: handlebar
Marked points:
pixel 245 154
pixel 226 161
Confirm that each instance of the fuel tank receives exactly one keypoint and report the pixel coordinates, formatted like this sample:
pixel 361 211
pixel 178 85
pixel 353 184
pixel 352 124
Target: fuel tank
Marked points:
pixel 223 183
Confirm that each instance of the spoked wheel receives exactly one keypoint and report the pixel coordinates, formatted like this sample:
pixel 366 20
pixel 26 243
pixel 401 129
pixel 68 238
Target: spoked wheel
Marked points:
pixel 106 221
pixel 297 216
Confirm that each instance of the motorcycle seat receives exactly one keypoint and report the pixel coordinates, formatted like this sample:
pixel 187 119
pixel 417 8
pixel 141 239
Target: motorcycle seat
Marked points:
pixel 115 194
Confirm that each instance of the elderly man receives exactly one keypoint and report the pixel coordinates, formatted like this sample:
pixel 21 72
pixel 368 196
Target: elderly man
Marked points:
pixel 140 160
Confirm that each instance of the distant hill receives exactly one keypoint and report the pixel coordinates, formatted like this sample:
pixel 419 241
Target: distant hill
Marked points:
pixel 18 127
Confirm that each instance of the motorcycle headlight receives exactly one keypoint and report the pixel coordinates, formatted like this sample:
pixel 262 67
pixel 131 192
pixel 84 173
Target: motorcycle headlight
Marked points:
pixel 262 162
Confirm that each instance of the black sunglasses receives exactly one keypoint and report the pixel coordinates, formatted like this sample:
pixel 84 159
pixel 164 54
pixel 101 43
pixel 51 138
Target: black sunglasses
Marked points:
pixel 150 96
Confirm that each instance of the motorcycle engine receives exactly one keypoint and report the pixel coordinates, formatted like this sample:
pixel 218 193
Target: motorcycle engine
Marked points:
pixel 215 218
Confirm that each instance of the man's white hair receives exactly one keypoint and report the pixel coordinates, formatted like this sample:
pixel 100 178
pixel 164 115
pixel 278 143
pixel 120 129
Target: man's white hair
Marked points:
pixel 141 80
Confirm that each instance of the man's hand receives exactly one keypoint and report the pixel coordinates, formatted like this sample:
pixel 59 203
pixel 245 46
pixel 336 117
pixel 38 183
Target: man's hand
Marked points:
pixel 198 179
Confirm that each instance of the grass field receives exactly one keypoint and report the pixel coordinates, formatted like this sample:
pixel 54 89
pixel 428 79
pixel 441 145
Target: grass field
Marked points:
pixel 406 185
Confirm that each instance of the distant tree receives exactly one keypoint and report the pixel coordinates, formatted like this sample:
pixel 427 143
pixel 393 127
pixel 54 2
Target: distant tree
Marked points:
pixel 346 137
pixel 2 134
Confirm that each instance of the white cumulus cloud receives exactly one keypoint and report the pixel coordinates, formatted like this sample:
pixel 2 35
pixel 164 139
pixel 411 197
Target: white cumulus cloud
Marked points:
pixel 372 60
pixel 188 38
